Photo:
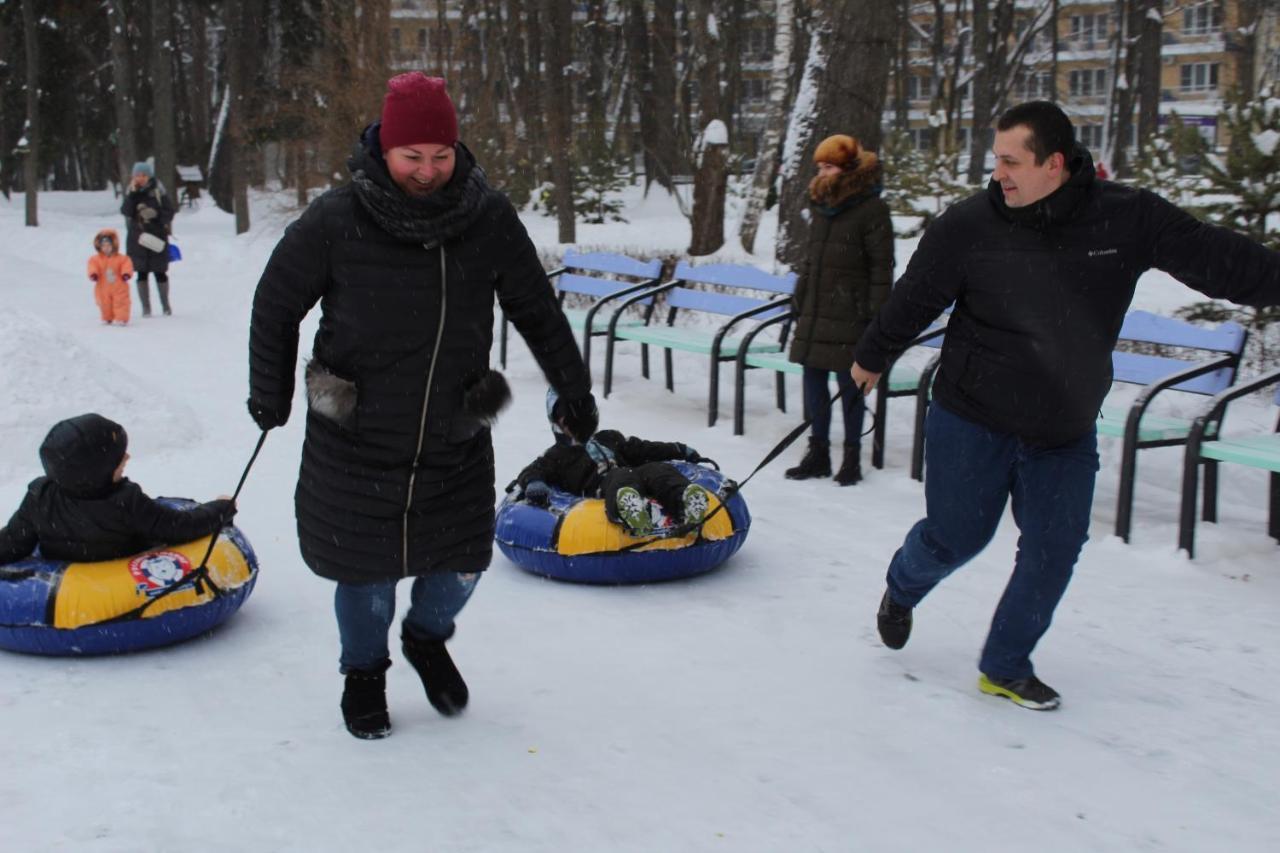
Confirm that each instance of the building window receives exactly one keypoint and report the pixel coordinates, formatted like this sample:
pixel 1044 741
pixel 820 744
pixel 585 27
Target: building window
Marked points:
pixel 1091 136
pixel 759 43
pixel 422 42
pixel 921 138
pixel 1202 19
pixel 1089 28
pixel 919 36
pixel 1087 82
pixel 1199 77
pixel 1034 85
pixel 755 89
pixel 919 88
pixel 395 40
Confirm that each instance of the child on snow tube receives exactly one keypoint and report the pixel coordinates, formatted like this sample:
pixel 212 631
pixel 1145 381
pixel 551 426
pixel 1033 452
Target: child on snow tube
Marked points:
pixel 85 510
pixel 641 491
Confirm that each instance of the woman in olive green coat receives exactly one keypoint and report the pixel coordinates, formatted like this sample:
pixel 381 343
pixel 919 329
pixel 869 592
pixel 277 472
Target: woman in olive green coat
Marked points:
pixel 846 277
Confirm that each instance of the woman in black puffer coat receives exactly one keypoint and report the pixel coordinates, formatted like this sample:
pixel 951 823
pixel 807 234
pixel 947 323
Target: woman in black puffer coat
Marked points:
pixel 846 278
pixel 397 476
pixel 148 214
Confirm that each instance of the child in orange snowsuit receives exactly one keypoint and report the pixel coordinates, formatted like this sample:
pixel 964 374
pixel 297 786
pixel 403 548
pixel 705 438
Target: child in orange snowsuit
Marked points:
pixel 110 271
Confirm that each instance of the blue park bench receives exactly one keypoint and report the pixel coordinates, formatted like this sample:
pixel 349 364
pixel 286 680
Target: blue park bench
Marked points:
pixel 695 292
pixel 596 279
pixel 1260 450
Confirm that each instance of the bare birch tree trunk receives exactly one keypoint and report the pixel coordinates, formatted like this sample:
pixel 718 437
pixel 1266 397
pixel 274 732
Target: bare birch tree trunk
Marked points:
pixel 559 29
pixel 31 162
pixel 775 123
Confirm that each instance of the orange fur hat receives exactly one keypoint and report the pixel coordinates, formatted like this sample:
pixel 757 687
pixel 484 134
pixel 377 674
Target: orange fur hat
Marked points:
pixel 838 150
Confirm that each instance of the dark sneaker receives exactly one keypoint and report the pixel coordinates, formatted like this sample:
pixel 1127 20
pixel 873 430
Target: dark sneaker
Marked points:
pixel 364 705
pixel 633 510
pixel 1028 692
pixel 894 622
pixel 695 503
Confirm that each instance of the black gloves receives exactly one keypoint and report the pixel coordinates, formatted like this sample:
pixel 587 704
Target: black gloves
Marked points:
pixel 266 416
pixel 537 493
pixel 690 454
pixel 579 417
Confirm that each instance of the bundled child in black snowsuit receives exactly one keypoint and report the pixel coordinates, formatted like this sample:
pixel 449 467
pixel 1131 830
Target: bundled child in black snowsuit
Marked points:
pixel 624 470
pixel 84 509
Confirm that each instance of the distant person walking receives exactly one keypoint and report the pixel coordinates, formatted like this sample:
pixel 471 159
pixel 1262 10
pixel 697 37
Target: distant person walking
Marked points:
pixel 847 273
pixel 397 477
pixel 148 212
pixel 1041 269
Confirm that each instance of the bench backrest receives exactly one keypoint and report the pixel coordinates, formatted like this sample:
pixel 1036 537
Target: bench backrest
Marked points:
pixel 1143 369
pixel 587 272
pixel 735 277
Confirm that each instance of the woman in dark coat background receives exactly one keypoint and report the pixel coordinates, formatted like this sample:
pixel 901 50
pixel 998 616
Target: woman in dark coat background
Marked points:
pixel 846 277
pixel 397 476
pixel 148 210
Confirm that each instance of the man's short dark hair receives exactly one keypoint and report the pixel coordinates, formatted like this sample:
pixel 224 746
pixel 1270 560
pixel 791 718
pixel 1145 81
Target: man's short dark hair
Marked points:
pixel 1051 130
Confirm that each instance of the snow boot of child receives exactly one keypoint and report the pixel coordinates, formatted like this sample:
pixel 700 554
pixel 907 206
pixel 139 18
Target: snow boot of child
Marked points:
pixel 893 621
pixel 446 691
pixel 850 471
pixel 364 704
pixel 1028 692
pixel 695 502
pixel 815 463
pixel 633 511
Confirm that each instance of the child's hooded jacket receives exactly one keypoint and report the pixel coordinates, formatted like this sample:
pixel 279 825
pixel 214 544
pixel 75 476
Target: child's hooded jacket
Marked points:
pixel 77 513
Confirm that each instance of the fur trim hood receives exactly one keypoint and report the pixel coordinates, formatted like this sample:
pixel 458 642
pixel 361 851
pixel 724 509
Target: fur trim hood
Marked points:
pixel 107 232
pixel 862 179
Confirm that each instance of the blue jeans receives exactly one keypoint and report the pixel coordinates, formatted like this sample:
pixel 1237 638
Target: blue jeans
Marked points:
pixel 972 472
pixel 365 612
pixel 817 404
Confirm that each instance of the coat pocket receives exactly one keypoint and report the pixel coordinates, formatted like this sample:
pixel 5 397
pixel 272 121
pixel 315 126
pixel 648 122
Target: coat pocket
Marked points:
pixel 331 396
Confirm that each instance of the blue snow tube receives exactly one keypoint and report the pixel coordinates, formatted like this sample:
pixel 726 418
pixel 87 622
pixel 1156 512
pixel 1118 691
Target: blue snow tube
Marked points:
pixel 572 540
pixel 50 607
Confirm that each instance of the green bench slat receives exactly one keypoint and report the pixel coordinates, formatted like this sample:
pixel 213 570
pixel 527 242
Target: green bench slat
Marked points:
pixel 1150 428
pixel 774 361
pixel 689 340
pixel 1258 451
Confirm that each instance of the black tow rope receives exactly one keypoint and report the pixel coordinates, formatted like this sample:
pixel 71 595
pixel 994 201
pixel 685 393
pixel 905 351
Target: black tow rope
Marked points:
pixel 732 487
pixel 200 576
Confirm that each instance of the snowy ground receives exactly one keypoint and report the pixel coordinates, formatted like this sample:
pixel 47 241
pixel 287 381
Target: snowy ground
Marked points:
pixel 752 709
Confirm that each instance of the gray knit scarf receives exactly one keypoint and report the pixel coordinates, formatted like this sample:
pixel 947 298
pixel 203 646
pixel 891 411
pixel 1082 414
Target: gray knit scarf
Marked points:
pixel 431 220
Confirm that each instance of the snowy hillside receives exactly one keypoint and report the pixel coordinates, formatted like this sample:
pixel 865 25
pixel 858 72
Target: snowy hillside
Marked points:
pixel 751 709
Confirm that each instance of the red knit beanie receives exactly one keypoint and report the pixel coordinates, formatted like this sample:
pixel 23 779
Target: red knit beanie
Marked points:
pixel 417 111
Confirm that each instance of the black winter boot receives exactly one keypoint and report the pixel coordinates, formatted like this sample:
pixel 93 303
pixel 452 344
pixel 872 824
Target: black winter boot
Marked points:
pixel 446 691
pixel 851 467
pixel 893 622
pixel 816 461
pixel 364 704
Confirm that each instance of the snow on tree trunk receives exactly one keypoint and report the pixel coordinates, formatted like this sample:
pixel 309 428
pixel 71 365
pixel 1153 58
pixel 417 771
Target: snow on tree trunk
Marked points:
pixel 710 179
pixel 843 90
pixel 775 124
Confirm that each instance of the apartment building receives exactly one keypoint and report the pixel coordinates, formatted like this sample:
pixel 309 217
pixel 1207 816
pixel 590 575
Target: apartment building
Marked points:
pixel 1201 59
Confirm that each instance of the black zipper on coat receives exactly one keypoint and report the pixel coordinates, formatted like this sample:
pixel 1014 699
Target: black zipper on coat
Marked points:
pixel 422 421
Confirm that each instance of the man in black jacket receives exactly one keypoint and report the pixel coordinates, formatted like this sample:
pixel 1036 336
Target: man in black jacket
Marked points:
pixel 1041 269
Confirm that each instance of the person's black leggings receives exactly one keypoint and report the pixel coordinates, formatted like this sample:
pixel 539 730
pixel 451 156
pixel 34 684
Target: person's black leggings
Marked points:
pixel 144 292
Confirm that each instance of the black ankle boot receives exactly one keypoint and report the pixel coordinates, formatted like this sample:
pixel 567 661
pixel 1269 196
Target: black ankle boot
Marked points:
pixel 851 467
pixel 446 691
pixel 816 461
pixel 364 704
